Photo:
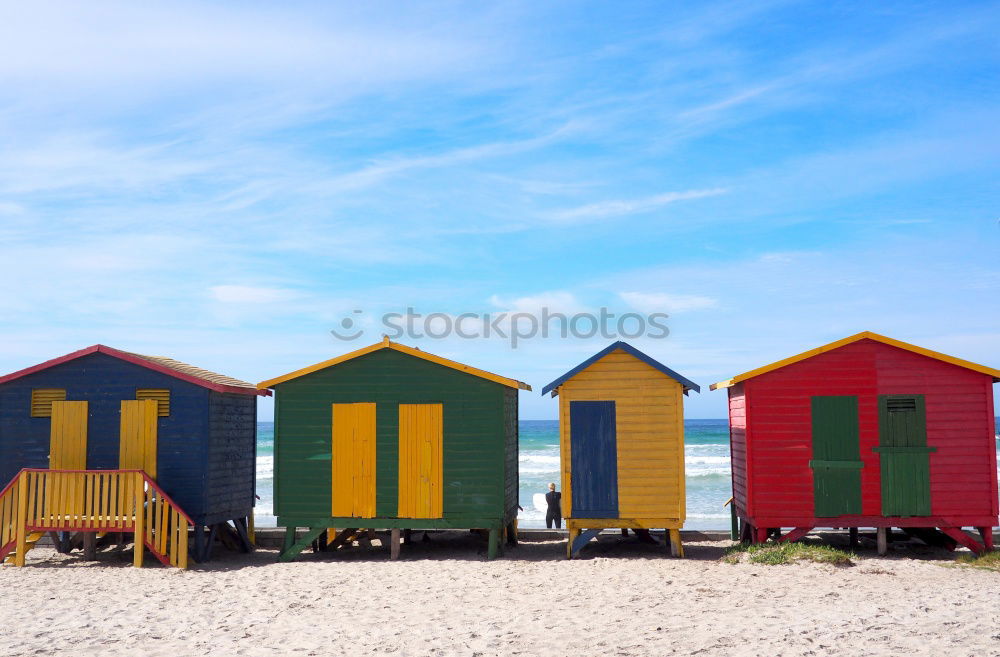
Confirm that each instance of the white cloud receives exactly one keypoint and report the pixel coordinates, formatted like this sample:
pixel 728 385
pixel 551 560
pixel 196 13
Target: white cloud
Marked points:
pixel 558 301
pixel 248 294
pixel 382 169
pixel 605 209
pixel 659 302
pixel 182 43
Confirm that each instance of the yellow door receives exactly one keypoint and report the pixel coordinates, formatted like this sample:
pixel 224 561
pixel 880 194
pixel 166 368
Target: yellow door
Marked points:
pixel 137 438
pixel 421 432
pixel 68 436
pixel 353 486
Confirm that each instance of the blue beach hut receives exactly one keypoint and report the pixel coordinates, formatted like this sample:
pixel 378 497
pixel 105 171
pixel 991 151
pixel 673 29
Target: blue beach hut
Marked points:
pixel 191 431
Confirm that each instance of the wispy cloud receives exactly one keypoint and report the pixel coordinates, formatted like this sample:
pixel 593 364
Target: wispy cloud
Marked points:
pixel 660 302
pixel 250 294
pixel 381 170
pixel 623 207
pixel 555 301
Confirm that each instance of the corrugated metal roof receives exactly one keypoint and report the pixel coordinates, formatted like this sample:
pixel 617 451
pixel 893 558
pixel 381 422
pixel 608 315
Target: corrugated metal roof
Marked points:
pixel 197 372
pixel 168 366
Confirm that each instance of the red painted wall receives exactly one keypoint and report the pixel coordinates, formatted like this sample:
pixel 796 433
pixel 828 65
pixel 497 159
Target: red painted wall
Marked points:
pixel 771 415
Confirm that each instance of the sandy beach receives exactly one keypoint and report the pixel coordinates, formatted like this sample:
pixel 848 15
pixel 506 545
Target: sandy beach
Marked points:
pixel 442 598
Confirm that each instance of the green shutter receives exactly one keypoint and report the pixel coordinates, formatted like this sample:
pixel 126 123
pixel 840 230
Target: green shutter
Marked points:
pixel 836 462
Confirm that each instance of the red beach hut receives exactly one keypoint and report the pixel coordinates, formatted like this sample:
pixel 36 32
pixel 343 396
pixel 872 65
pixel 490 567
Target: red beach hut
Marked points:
pixel 865 432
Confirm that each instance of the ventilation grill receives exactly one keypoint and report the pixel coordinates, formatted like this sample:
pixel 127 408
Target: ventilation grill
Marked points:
pixel 161 397
pixel 904 405
pixel 42 398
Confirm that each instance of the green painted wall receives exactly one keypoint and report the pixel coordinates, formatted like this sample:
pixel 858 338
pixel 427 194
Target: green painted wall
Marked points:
pixel 477 435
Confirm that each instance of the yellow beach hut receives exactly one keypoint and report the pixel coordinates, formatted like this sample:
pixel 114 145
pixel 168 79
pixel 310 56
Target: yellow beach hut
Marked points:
pixel 621 435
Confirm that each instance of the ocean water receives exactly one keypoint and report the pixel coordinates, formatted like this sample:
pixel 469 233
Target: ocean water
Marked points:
pixel 706 465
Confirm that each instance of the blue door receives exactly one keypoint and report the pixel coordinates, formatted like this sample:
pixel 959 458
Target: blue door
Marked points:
pixel 594 459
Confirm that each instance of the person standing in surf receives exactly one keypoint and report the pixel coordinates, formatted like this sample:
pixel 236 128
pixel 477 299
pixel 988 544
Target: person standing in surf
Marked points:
pixel 553 515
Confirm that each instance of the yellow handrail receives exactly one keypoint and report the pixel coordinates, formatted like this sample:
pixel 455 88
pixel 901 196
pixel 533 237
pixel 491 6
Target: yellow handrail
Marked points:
pixel 94 500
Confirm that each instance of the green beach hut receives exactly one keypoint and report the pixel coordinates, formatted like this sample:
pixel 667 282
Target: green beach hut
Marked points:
pixel 390 437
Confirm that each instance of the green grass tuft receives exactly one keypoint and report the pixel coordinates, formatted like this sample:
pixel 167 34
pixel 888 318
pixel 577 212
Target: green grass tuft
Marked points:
pixel 988 561
pixel 773 554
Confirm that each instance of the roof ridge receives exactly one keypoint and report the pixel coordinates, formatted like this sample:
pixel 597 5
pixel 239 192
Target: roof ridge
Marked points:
pixel 385 343
pixel 863 335
pixel 636 353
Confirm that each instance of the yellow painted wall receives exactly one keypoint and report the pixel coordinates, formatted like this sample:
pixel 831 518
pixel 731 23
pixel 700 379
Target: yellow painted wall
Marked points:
pixel 649 434
pixel 421 461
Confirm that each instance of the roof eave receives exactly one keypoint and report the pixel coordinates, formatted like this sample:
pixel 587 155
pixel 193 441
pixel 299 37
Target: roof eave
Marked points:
pixel 687 384
pixel 135 360
pixel 869 335
pixel 411 351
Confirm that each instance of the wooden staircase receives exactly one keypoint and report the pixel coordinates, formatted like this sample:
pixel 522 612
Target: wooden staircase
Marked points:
pixel 37 501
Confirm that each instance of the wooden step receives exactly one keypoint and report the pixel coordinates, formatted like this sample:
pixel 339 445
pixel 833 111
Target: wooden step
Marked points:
pixel 30 542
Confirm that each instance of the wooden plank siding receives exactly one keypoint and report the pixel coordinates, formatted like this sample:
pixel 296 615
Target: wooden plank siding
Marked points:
pixel 738 447
pixel 512 457
pixel 649 427
pixel 475 440
pixel 962 470
pixel 773 479
pixel 230 483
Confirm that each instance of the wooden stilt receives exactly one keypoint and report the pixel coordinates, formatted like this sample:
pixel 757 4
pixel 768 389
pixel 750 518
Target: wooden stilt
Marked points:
pixel 883 543
pixel 964 539
pixel 760 535
pixel 289 538
pixel 853 533
pixel 394 544
pixel 795 534
pixel 344 537
pixel 199 543
pixel 243 532
pixel 573 534
pixel 676 547
pixel 987 534
pixel 298 544
pixel 493 544
pixel 512 533
pixel 90 546
pixel 746 533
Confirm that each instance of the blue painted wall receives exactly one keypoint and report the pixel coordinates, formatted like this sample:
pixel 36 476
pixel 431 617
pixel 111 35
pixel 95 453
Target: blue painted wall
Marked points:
pixel 184 438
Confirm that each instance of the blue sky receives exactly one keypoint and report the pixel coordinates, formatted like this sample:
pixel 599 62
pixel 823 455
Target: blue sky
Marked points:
pixel 224 183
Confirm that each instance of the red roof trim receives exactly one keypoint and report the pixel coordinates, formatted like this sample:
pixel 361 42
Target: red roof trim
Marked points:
pixel 135 360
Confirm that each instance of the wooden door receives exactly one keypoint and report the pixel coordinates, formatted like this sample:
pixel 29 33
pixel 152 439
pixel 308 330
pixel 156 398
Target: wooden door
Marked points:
pixel 594 459
pixel 137 436
pixel 353 483
pixel 421 461
pixel 905 456
pixel 68 436
pixel 836 461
